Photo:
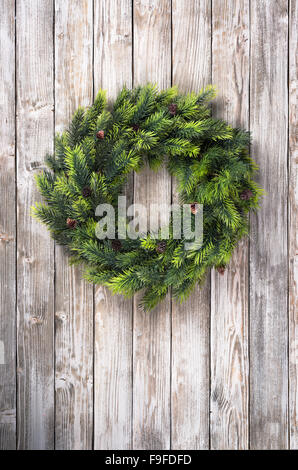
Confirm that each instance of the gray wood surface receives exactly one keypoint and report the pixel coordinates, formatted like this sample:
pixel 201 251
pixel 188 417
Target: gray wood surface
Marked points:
pixel 35 251
pixel 84 369
pixel 113 316
pixel 190 321
pixel 152 333
pixel 268 247
pixel 293 225
pixel 7 229
pixel 229 292
pixel 73 296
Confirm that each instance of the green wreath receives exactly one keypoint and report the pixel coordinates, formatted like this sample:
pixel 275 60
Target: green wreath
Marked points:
pixel 104 144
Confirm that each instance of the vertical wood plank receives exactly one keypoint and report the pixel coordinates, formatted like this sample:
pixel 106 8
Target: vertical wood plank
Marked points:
pixel 7 229
pixel 113 314
pixel 35 257
pixel 191 64
pixel 268 248
pixel 229 392
pixel 152 331
pixel 293 225
pixel 73 296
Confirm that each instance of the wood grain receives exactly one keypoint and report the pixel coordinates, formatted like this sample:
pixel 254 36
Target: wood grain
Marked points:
pixel 7 229
pixel 151 371
pixel 35 255
pixel 113 314
pixel 268 248
pixel 152 331
pixel 191 63
pixel 74 297
pixel 293 225
pixel 229 292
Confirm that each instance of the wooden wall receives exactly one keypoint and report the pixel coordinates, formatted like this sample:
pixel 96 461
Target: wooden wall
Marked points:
pixel 82 369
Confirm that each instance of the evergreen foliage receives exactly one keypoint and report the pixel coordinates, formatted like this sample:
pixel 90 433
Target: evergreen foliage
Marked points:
pixel 209 159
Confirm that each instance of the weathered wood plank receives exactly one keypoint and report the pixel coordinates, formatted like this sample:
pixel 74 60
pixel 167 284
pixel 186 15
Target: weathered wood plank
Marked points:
pixel 7 229
pixel 73 296
pixel 191 64
pixel 293 224
pixel 268 248
pixel 113 321
pixel 35 255
pixel 229 392
pixel 152 331
pixel 113 314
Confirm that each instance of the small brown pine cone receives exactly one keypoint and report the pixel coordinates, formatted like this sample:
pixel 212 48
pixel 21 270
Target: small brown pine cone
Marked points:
pixel 173 109
pixel 194 207
pixel 136 127
pixel 71 223
pixel 86 191
pixel 116 245
pixel 246 194
pixel 100 134
pixel 221 270
pixel 161 247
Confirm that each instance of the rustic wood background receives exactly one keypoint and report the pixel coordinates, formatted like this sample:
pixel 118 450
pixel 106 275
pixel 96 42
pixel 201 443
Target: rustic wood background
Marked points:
pixel 83 369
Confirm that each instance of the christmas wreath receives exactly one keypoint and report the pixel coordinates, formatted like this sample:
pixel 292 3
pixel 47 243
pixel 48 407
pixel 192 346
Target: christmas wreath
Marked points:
pixel 104 144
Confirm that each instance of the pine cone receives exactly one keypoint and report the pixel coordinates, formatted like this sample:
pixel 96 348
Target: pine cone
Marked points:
pixel 100 134
pixel 116 245
pixel 246 194
pixel 194 207
pixel 161 247
pixel 71 223
pixel 86 191
pixel 173 109
pixel 221 270
pixel 136 127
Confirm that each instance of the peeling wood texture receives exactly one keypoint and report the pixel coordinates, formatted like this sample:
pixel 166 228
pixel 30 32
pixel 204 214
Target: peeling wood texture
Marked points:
pixel 7 229
pixel 293 225
pixel 190 321
pixel 152 333
pixel 113 316
pixel 35 250
pixel 229 292
pixel 83 369
pixel 73 296
pixel 268 247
